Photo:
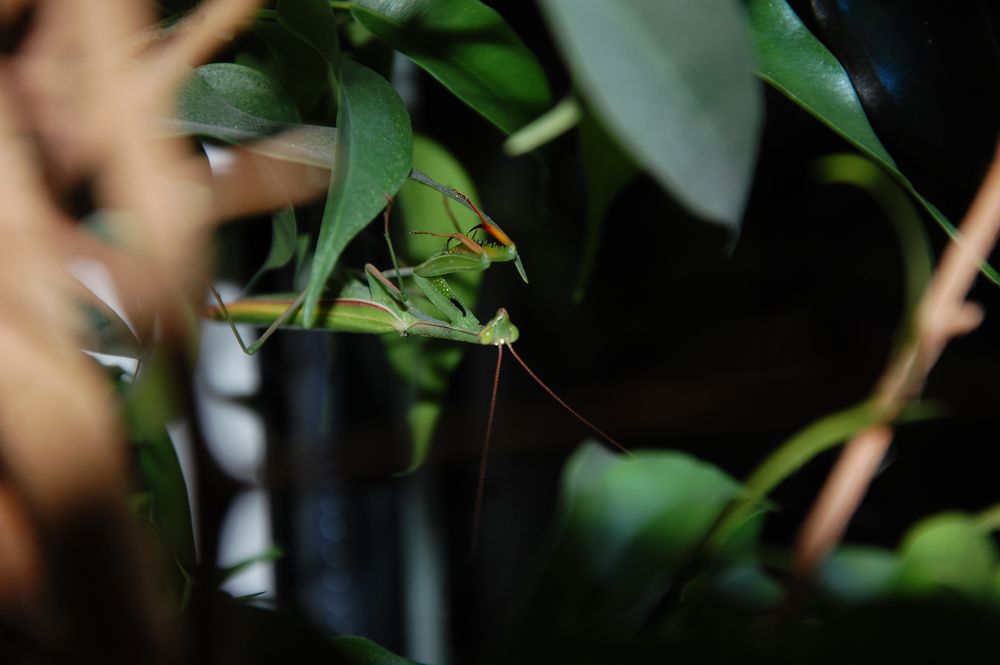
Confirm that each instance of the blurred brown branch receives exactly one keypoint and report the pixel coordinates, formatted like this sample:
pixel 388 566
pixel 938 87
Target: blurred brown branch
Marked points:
pixel 79 105
pixel 943 313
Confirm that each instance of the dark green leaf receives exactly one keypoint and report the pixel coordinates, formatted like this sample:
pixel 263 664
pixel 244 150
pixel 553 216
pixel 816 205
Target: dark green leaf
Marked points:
pixel 469 48
pixel 371 160
pixel 362 651
pixel 631 523
pixel 299 66
pixel 673 81
pixel 312 22
pixel 792 60
pixel 283 242
pixel 425 364
pixel 148 405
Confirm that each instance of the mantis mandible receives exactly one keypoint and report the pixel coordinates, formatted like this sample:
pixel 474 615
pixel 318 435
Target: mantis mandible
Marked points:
pixel 378 306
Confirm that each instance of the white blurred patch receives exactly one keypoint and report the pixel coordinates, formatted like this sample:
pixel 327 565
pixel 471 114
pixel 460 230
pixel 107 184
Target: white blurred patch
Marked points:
pixel 220 159
pixel 222 365
pixel 246 533
pixel 95 276
pixel 235 437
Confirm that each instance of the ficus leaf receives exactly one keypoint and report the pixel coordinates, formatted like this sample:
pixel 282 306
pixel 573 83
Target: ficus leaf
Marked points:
pixel 372 158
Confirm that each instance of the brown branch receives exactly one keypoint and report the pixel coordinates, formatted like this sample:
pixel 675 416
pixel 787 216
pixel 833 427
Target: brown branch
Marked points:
pixel 943 313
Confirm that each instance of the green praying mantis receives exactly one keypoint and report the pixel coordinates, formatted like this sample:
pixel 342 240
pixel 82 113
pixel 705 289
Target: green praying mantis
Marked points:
pixel 378 306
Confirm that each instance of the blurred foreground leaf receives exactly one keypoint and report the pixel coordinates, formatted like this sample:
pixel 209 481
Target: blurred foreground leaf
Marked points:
pixel 673 81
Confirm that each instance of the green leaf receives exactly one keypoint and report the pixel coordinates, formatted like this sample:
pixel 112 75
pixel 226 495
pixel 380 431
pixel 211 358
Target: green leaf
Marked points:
pixel 631 524
pixel 205 111
pixel 148 405
pixel 673 81
pixel 469 48
pixel 312 22
pixel 795 63
pixel 371 160
pixel 424 363
pixel 664 498
pixel 299 66
pixel 608 169
pixel 949 552
pixel 249 90
pixel 284 239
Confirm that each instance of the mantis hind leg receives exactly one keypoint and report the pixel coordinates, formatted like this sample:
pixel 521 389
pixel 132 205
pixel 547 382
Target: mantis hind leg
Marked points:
pixel 278 322
pixel 392 251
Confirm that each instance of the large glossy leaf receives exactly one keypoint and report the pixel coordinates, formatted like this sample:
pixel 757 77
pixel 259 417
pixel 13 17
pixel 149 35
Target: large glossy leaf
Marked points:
pixel 469 48
pixel 673 81
pixel 371 160
pixel 424 363
pixel 792 60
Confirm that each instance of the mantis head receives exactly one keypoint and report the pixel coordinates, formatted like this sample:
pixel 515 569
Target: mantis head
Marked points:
pixel 499 330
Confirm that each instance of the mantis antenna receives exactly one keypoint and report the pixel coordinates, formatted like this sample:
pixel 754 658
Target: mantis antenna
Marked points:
pixel 484 456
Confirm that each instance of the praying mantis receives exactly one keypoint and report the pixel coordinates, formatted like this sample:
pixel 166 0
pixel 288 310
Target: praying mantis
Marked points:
pixel 378 306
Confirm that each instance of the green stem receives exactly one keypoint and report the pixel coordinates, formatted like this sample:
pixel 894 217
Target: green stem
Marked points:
pixel 341 4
